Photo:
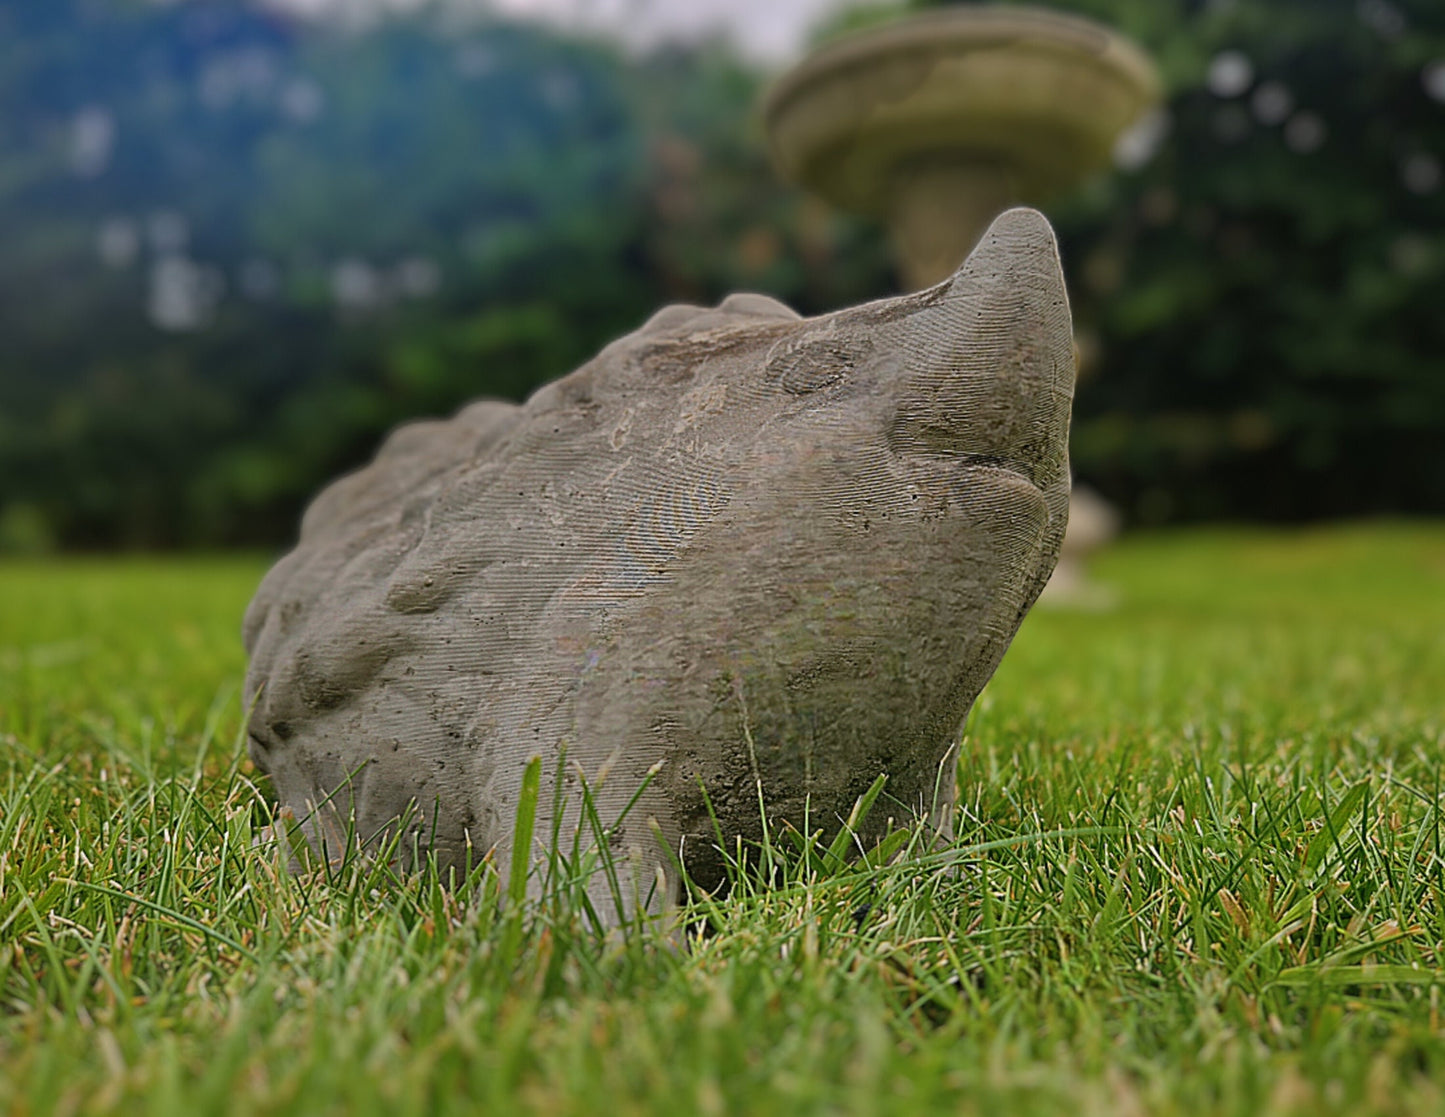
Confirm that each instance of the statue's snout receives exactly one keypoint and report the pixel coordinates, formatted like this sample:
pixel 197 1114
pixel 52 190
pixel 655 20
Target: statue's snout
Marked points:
pixel 988 360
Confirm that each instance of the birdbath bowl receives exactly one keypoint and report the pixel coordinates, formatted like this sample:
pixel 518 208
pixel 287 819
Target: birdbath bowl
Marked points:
pixel 938 122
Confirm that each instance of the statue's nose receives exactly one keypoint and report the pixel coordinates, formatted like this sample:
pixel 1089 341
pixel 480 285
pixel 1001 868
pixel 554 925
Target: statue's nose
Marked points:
pixel 988 366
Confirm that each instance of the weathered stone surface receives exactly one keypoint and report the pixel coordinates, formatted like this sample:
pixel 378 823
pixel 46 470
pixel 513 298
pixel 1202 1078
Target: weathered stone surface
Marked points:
pixel 737 546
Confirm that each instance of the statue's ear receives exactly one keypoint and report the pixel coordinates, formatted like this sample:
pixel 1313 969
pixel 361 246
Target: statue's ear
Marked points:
pixel 987 358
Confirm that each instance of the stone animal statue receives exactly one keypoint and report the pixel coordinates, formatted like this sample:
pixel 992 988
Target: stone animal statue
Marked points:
pixel 742 551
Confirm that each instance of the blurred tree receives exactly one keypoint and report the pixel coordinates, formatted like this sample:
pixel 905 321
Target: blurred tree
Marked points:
pixel 238 249
pixel 1266 289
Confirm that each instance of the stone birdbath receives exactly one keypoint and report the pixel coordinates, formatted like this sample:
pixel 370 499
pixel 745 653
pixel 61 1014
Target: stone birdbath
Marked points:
pixel 937 123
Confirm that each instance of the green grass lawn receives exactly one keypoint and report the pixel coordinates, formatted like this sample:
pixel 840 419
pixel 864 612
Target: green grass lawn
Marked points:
pixel 1199 870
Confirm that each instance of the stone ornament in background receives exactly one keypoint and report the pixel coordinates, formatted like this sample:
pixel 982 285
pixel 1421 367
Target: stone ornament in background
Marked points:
pixel 738 550
pixel 1093 522
pixel 936 122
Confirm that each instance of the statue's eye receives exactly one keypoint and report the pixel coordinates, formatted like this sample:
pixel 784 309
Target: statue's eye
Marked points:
pixel 807 366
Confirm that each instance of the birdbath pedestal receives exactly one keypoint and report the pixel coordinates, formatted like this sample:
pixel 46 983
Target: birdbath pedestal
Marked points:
pixel 937 123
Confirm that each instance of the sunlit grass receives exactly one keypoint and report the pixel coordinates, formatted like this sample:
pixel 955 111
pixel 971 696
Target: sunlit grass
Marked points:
pixel 1198 870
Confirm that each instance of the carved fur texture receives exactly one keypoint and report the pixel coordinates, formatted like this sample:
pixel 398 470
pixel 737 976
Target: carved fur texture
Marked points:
pixel 738 548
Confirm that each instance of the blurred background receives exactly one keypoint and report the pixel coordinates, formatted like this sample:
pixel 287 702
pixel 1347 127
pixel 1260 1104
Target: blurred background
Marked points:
pixel 241 239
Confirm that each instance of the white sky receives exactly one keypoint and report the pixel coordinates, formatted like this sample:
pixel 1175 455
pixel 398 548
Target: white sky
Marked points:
pixel 771 31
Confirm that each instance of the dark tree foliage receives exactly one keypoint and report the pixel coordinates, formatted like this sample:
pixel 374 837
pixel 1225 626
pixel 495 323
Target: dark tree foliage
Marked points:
pixel 238 249
pixel 1267 292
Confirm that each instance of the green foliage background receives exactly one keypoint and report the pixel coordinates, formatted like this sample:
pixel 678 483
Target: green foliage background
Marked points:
pixel 561 192
pixel 1268 315
pixel 1265 320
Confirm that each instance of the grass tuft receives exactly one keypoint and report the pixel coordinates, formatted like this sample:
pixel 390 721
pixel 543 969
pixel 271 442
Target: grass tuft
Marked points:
pixel 1198 870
